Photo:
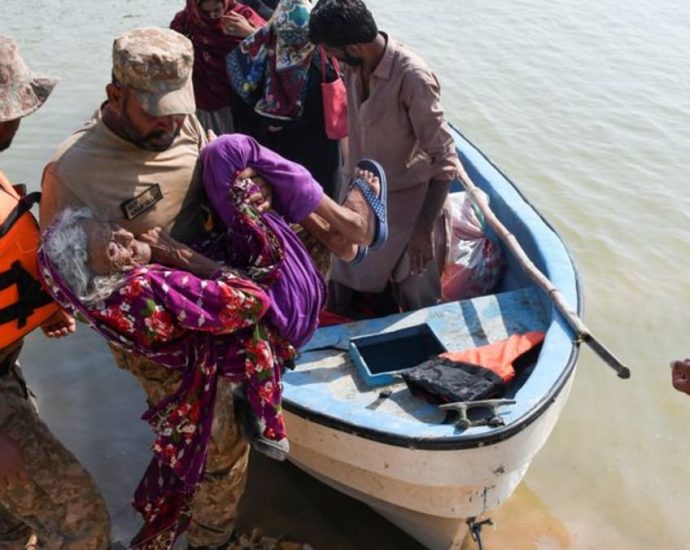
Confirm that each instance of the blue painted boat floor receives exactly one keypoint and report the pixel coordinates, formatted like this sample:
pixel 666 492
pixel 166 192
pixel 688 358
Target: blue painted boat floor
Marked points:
pixel 327 382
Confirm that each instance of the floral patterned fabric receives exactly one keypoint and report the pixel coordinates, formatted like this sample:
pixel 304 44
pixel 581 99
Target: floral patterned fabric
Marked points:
pixel 204 328
pixel 297 290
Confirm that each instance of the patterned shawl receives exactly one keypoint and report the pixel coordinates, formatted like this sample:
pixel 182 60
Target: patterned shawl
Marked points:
pixel 270 68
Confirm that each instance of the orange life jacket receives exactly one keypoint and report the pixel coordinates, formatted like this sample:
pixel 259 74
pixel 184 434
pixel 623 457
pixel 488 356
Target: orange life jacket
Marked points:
pixel 499 356
pixel 24 305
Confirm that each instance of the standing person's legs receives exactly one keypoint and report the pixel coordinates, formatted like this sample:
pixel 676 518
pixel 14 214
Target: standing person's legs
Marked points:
pixel 424 289
pixel 57 499
pixel 341 300
pixel 410 292
pixel 14 533
pixel 214 505
pixel 418 291
pixel 353 304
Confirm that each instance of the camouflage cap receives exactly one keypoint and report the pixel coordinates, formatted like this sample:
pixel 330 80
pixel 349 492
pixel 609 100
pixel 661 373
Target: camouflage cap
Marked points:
pixel 156 64
pixel 21 91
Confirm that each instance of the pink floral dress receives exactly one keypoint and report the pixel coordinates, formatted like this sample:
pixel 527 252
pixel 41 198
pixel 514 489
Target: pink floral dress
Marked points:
pixel 204 328
pixel 241 324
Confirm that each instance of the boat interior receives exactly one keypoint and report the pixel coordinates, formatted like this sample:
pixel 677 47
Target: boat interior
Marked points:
pixel 348 376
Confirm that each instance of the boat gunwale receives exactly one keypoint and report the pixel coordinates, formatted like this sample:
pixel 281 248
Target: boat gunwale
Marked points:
pixel 496 435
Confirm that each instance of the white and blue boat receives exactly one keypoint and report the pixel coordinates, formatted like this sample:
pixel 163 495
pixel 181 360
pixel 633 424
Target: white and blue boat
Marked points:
pixel 368 436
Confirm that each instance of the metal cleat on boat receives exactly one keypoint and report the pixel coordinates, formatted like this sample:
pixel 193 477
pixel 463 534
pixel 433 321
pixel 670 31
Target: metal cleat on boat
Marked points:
pixel 463 407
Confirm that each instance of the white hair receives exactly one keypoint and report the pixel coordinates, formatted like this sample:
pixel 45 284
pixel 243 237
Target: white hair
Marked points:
pixel 67 246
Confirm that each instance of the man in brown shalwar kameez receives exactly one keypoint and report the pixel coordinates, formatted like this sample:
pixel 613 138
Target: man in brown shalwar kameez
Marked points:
pixel 395 116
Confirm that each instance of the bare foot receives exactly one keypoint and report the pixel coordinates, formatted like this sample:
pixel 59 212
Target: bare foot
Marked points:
pixel 356 202
pixel 344 250
pixel 337 244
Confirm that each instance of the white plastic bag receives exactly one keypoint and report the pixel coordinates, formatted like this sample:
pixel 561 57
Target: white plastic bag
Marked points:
pixel 474 262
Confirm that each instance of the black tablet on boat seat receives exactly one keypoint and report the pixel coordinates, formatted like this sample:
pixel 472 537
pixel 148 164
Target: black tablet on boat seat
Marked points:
pixel 380 357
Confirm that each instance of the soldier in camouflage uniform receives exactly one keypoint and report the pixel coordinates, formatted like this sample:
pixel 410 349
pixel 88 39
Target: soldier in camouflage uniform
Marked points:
pixel 144 144
pixel 43 488
pixel 136 164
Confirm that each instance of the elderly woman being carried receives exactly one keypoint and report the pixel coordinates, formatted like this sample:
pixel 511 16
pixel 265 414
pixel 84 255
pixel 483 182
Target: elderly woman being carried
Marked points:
pixel 169 303
pixel 236 305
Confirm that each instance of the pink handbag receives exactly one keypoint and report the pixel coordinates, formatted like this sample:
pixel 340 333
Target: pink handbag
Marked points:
pixel 334 96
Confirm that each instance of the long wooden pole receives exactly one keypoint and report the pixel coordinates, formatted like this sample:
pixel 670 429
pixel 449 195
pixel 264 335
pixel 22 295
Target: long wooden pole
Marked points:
pixel 582 333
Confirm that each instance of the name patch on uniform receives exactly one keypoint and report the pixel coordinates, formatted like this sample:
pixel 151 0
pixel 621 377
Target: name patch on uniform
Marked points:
pixel 142 202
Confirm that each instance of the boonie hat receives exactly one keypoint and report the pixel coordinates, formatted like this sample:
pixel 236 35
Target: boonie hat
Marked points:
pixel 156 64
pixel 21 91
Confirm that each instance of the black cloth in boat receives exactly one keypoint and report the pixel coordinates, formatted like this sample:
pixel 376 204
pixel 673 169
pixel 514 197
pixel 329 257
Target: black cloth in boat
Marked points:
pixel 442 380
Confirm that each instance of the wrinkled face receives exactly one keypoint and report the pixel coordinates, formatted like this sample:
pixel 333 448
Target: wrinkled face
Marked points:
pixel 114 249
pixel 7 131
pixel 345 54
pixel 212 8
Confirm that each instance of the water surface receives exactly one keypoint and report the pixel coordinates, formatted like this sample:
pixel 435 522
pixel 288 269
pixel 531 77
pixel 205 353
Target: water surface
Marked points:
pixel 585 105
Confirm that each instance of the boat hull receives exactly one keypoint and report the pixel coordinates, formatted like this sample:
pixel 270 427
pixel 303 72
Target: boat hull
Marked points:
pixel 394 451
pixel 427 493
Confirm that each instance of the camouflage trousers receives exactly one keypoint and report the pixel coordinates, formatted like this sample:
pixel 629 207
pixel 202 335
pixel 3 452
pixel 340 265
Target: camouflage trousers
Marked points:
pixel 58 500
pixel 214 506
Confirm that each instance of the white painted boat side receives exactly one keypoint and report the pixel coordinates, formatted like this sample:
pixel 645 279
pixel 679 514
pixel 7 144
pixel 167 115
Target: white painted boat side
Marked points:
pixel 446 483
pixel 433 532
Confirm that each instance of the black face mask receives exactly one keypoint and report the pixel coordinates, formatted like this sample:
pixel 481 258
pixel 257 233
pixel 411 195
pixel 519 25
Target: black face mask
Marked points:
pixel 352 60
pixel 5 144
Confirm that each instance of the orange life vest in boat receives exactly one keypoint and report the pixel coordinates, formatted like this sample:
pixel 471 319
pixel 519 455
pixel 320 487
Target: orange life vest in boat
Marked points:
pixel 499 356
pixel 471 374
pixel 24 305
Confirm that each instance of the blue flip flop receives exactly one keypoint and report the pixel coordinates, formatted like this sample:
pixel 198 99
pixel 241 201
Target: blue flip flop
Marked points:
pixel 379 204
